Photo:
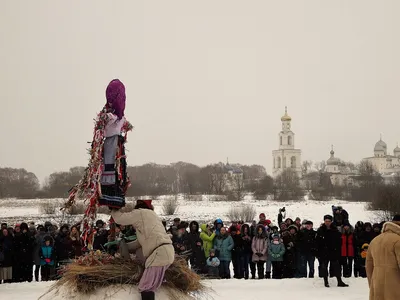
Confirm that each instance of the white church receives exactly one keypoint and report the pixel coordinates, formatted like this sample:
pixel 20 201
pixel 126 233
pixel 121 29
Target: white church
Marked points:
pixel 384 163
pixel 286 156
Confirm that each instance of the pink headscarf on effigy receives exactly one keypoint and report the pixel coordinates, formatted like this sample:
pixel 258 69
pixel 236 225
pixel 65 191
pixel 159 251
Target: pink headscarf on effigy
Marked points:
pixel 115 94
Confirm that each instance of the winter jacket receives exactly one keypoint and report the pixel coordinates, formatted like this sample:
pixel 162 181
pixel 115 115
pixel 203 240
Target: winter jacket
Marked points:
pixel 63 247
pixel 306 242
pixel 23 246
pixel 208 240
pixel 156 244
pixel 223 244
pixel 259 246
pixel 181 243
pixel 213 262
pixel 328 243
pixel 347 249
pixel 100 239
pixel 76 245
pixel 7 251
pixel 47 256
pixel 246 239
pixel 383 264
pixel 276 251
pixel 218 221
pixel 38 244
pixel 197 258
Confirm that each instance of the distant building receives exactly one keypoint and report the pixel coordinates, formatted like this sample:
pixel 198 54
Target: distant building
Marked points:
pixel 228 176
pixel 340 174
pixel 385 164
pixel 286 156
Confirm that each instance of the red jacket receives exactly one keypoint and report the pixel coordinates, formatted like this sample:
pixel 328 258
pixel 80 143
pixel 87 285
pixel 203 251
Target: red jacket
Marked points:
pixel 347 245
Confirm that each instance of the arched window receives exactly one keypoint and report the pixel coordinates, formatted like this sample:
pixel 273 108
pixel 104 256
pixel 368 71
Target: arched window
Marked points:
pixel 281 141
pixel 274 164
pixel 284 162
pixel 289 140
pixel 293 162
pixel 279 162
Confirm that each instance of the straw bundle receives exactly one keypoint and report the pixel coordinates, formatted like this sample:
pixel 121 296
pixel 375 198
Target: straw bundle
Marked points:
pixel 99 270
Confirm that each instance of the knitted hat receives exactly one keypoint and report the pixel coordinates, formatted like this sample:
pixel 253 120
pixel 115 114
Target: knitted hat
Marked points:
pixel 262 215
pixel 309 223
pixel 115 94
pixel 328 217
pixel 275 236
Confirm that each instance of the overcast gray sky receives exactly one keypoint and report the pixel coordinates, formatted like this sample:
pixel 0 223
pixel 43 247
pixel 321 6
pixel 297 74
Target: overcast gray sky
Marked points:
pixel 205 80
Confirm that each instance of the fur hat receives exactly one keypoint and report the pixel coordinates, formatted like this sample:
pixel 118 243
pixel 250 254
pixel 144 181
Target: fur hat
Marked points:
pixel 328 217
pixel 293 227
pixel 308 223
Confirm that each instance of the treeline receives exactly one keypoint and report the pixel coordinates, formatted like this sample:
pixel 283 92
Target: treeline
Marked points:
pixel 362 184
pixel 148 179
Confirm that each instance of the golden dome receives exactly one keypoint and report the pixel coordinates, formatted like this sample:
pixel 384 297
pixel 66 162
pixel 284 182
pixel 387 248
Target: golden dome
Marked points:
pixel 286 117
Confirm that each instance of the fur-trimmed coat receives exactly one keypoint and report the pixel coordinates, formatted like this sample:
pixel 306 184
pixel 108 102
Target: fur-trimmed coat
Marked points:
pixel 383 264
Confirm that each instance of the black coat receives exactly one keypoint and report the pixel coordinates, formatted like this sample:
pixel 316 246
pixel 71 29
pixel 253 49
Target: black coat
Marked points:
pixel 100 239
pixel 307 242
pixel 329 243
pixel 181 241
pixel 7 249
pixel 197 257
pixel 246 239
pixel 63 246
pixel 24 246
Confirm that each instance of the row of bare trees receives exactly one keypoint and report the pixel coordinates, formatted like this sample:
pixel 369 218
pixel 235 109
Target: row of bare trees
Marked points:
pixel 147 179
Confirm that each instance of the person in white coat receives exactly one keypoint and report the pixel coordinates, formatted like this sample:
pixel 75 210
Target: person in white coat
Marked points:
pixel 155 244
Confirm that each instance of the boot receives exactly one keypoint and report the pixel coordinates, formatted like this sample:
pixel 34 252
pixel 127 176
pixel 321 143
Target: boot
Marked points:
pixel 326 283
pixel 340 283
pixel 268 275
pixel 148 295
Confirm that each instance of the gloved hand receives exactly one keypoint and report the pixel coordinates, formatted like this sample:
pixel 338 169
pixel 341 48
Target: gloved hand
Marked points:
pixel 291 244
pixel 259 254
pixel 277 255
pixel 47 260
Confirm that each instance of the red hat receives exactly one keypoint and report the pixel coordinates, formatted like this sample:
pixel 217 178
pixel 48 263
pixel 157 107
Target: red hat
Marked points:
pixel 262 215
pixel 148 203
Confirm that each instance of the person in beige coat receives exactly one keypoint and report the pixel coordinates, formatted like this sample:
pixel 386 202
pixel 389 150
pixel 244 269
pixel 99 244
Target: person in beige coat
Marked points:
pixel 383 263
pixel 155 244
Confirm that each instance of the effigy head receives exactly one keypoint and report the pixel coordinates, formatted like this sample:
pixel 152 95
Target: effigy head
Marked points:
pixel 115 95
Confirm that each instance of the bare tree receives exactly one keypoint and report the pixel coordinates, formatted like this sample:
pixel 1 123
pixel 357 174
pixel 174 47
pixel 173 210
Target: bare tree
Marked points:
pixel 306 167
pixel 237 191
pixel 287 186
pixel 320 166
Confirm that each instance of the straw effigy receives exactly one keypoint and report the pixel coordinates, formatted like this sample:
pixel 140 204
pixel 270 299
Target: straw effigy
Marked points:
pixel 100 270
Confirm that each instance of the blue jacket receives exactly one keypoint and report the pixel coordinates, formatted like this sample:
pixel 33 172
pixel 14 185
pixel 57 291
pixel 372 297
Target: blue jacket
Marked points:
pixel 224 245
pixel 276 251
pixel 46 252
pixel 213 262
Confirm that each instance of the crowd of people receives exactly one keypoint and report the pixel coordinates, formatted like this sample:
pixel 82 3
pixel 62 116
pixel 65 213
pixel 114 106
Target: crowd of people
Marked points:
pixel 258 250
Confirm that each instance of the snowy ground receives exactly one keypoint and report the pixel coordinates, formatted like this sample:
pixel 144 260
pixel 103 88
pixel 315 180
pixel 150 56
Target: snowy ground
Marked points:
pixel 310 289
pixel 13 211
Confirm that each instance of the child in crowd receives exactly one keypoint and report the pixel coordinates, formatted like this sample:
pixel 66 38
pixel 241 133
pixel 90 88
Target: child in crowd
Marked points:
pixel 213 265
pixel 276 251
pixel 47 259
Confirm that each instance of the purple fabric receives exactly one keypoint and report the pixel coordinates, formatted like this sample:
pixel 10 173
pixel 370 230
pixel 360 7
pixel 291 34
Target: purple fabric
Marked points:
pixel 152 279
pixel 115 94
